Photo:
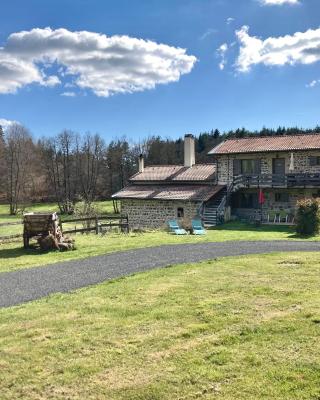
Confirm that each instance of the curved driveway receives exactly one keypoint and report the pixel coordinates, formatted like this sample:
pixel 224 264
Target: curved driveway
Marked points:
pixel 33 283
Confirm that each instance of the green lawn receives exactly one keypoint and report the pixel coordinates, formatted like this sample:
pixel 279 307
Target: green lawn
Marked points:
pixel 104 207
pixel 233 328
pixel 13 256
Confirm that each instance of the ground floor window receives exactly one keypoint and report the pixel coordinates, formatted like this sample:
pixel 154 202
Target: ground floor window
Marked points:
pixel 180 212
pixel 281 197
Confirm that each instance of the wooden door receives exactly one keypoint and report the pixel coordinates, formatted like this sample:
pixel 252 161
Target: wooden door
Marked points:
pixel 278 166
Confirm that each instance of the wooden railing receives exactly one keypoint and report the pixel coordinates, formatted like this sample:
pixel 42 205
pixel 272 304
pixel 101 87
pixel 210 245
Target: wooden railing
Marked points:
pixel 276 180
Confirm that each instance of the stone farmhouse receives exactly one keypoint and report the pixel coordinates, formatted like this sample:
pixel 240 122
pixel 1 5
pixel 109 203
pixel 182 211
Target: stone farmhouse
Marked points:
pixel 284 168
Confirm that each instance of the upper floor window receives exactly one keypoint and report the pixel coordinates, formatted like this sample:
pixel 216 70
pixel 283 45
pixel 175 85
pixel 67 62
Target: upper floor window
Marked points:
pixel 246 167
pixel 314 160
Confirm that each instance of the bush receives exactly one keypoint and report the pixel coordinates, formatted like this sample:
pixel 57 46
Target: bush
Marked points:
pixel 85 209
pixel 308 217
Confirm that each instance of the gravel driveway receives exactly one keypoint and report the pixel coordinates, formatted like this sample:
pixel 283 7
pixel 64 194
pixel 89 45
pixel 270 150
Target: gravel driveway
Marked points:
pixel 33 283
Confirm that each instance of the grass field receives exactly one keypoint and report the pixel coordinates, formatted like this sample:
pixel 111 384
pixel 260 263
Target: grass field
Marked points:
pixel 13 256
pixel 104 207
pixel 233 328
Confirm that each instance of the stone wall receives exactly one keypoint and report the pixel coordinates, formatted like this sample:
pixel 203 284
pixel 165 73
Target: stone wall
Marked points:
pixel 156 213
pixel 270 200
pixel 301 163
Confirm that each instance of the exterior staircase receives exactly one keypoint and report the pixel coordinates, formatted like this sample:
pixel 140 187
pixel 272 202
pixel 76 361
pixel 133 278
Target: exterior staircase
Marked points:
pixel 211 209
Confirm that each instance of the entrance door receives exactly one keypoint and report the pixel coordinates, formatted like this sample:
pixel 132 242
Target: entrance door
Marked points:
pixel 278 166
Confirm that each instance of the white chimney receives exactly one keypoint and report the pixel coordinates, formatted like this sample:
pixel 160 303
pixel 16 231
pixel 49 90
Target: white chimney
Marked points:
pixel 189 151
pixel 141 163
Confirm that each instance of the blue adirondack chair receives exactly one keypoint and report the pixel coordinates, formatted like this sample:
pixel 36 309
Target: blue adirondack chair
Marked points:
pixel 175 228
pixel 197 227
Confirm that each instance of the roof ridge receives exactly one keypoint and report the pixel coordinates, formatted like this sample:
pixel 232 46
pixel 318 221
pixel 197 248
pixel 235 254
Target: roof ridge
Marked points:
pixel 270 136
pixel 177 165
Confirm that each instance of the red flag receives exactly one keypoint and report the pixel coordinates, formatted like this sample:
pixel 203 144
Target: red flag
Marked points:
pixel 262 199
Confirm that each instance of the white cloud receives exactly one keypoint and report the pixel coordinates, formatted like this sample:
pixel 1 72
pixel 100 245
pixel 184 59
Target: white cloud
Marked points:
pixel 208 33
pixel 313 83
pixel 51 81
pixel 299 48
pixel 5 123
pixel 106 65
pixel 279 2
pixel 229 20
pixel 68 94
pixel 221 51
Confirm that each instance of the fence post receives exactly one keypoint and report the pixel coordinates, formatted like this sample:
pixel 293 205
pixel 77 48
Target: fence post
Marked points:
pixel 97 226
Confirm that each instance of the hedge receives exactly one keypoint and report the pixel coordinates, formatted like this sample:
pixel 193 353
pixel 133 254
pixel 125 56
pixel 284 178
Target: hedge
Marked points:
pixel 308 217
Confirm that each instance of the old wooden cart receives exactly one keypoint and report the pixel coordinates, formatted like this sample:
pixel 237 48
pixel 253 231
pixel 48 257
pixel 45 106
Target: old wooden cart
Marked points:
pixel 40 225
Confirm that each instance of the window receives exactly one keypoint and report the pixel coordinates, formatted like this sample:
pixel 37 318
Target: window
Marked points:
pixel 246 167
pixel 281 197
pixel 180 212
pixel 314 161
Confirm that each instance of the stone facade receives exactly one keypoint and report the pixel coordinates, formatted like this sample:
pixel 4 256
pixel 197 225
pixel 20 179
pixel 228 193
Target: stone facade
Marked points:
pixel 272 203
pixel 301 163
pixel 156 213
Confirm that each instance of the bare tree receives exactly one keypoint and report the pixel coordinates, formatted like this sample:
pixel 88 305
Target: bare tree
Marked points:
pixel 59 161
pixel 3 167
pixel 18 150
pixel 89 160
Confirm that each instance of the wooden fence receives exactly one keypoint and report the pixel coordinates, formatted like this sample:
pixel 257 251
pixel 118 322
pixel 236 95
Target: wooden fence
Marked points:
pixel 100 224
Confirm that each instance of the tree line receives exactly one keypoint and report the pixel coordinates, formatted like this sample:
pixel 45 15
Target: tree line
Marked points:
pixel 70 167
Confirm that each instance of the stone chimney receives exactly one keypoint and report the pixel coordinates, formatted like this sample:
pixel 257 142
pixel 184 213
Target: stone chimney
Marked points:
pixel 141 163
pixel 189 151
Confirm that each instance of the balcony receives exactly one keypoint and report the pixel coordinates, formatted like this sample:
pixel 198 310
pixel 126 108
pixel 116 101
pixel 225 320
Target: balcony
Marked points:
pixel 307 180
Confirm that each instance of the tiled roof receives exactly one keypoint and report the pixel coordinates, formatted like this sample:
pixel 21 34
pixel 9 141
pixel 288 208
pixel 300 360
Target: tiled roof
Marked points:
pixel 268 143
pixel 168 192
pixel 176 173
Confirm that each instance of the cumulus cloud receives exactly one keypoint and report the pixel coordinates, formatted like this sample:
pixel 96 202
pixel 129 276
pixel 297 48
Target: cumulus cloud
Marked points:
pixel 105 65
pixel 229 20
pixel 221 51
pixel 5 123
pixel 299 48
pixel 278 2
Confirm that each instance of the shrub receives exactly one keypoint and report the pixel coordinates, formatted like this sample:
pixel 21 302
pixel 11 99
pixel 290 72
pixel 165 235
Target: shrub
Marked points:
pixel 85 209
pixel 308 216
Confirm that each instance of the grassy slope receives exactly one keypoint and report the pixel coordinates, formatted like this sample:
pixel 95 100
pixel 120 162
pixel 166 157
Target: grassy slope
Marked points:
pixel 235 328
pixel 13 256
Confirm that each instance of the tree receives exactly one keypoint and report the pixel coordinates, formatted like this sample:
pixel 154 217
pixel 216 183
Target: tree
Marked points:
pixel 89 161
pixel 3 172
pixel 18 154
pixel 59 162
pixel 121 164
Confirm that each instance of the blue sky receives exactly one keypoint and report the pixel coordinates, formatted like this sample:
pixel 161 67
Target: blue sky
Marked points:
pixel 270 74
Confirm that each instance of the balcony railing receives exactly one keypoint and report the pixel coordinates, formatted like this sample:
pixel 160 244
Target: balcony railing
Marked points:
pixel 276 180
